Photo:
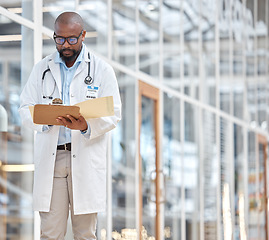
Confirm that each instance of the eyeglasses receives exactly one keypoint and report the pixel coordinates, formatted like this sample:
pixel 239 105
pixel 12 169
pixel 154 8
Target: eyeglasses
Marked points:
pixel 71 40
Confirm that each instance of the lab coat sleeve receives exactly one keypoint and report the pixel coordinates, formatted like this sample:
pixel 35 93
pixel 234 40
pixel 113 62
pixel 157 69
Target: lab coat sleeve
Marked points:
pixel 29 97
pixel 109 87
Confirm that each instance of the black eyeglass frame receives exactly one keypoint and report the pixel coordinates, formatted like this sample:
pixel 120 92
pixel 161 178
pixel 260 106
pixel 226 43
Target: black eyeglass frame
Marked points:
pixel 66 39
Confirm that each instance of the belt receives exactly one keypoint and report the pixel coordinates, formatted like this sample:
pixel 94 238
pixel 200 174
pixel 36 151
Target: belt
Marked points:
pixel 66 147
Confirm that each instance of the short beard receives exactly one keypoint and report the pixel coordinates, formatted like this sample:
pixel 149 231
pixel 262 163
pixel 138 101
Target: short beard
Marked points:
pixel 71 58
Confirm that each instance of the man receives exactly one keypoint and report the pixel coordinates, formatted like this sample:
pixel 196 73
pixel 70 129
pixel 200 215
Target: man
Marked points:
pixel 70 160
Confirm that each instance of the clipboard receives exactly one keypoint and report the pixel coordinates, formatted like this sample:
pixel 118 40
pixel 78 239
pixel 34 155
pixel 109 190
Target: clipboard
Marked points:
pixel 45 114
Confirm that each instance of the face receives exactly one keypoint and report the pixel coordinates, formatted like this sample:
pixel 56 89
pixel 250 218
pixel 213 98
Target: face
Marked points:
pixel 68 52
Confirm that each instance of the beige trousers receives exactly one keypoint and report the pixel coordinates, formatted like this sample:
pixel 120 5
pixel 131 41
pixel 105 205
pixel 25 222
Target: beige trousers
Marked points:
pixel 54 222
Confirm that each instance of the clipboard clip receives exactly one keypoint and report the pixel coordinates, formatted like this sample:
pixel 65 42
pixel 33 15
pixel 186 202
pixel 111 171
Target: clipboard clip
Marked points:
pixel 57 101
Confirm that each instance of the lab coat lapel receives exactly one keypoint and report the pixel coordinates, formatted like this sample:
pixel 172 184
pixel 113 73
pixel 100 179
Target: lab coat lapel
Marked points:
pixel 83 63
pixel 56 73
pixel 79 69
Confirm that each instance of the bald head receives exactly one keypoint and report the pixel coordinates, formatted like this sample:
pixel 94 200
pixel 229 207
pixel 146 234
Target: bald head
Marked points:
pixel 69 18
pixel 69 25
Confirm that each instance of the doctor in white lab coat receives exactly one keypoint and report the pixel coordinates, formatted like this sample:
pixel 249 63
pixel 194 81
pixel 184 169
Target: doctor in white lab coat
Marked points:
pixel 86 159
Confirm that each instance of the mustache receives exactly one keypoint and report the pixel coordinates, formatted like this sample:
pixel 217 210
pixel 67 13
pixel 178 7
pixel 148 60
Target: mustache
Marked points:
pixel 70 58
pixel 67 49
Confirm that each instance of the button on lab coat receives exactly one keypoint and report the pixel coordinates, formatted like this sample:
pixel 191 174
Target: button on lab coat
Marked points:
pixel 88 156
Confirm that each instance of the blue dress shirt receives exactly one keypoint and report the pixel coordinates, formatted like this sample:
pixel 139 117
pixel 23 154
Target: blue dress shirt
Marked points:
pixel 67 75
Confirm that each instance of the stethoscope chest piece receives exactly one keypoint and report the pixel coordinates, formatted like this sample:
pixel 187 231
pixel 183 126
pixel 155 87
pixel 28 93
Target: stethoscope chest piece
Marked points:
pixel 88 80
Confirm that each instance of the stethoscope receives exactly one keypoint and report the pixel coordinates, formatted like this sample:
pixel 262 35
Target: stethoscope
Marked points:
pixel 88 80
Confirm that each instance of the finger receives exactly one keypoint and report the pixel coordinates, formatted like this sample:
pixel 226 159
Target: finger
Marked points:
pixel 62 121
pixel 83 123
pixel 71 118
pixel 59 121
pixel 81 118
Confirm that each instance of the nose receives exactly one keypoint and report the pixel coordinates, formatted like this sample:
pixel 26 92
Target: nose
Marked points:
pixel 66 44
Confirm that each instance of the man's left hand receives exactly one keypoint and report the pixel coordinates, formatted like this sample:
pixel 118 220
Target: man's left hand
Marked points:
pixel 72 123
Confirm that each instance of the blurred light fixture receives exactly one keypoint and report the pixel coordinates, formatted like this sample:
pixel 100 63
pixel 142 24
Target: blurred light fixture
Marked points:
pixel 92 34
pixel 45 9
pixel 86 7
pixel 55 8
pixel 17 167
pixel 10 38
pixel 15 10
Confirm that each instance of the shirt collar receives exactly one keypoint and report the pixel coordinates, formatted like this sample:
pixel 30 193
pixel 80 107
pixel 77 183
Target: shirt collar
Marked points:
pixel 58 59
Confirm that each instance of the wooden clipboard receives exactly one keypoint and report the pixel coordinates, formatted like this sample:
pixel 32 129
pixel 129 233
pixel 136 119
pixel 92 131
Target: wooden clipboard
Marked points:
pixel 47 114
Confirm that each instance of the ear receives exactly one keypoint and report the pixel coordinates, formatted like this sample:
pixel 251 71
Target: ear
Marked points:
pixel 83 35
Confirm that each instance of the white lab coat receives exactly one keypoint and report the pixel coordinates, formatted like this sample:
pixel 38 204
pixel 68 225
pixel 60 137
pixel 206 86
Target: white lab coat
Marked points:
pixel 88 155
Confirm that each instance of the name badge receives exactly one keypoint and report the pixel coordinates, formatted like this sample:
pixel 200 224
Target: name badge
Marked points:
pixel 91 92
